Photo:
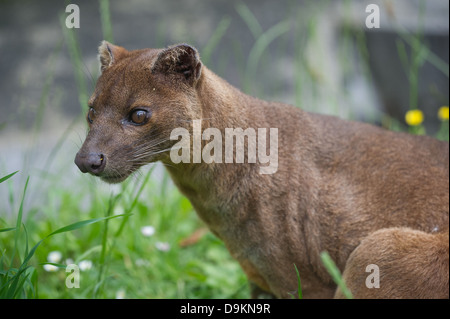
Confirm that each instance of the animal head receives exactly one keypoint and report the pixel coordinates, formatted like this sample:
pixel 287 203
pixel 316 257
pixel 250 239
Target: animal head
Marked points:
pixel 140 97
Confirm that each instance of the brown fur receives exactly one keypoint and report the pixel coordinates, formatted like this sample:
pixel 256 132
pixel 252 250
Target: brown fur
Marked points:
pixel 340 185
pixel 412 264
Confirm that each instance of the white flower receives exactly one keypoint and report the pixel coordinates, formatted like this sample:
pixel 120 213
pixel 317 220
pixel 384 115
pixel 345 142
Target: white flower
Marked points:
pixel 85 265
pixel 142 262
pixel 120 294
pixel 69 261
pixel 148 231
pixel 50 268
pixel 54 257
pixel 162 246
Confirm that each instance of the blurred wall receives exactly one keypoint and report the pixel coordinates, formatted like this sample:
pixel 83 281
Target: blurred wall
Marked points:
pixel 36 75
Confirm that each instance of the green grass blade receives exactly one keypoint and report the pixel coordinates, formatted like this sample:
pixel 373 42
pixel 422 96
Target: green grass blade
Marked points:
pixel 260 47
pixel 299 284
pixel 249 19
pixel 87 253
pixel 215 39
pixel 34 284
pixel 8 291
pixel 431 57
pixel 31 253
pixel 335 274
pixel 135 200
pixel 64 136
pixel 48 85
pixel 77 64
pixel 8 176
pixel 61 266
pixel 12 287
pixel 19 217
pixel 84 223
pixel 28 284
pixel 20 285
pixel 105 17
pixel 68 228
pixel 19 221
pixel 26 239
pixel 2 230
pixel 112 204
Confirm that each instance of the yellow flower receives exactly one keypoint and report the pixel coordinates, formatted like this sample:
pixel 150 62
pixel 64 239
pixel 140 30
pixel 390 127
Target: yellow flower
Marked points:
pixel 414 117
pixel 443 113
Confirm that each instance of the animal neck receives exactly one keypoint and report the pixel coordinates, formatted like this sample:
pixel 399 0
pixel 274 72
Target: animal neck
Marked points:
pixel 223 106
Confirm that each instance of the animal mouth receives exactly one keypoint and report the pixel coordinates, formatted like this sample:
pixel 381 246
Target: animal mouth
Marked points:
pixel 113 178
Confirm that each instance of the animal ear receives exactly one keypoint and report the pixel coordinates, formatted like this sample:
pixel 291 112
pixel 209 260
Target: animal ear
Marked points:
pixel 181 60
pixel 109 53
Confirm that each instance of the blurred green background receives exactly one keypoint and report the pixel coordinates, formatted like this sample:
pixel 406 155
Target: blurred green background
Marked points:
pixel 318 55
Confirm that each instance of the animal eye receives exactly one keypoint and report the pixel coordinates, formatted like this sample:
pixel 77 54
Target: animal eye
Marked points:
pixel 139 117
pixel 91 115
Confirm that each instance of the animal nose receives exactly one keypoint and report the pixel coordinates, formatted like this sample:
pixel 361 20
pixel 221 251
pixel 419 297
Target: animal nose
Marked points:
pixel 93 163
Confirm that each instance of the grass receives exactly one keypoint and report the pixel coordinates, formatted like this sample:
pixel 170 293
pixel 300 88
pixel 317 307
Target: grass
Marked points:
pixel 87 221
pixel 299 285
pixel 123 259
pixel 335 274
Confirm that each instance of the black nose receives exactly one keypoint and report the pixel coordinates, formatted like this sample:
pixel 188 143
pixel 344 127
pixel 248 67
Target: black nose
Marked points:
pixel 93 163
